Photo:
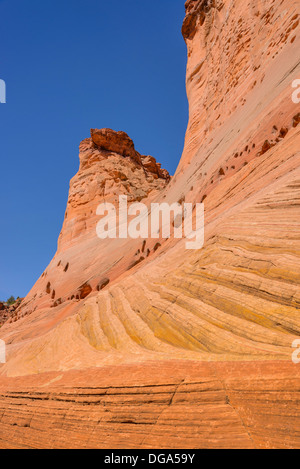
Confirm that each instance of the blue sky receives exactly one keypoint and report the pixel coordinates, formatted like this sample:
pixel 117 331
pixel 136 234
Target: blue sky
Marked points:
pixel 72 65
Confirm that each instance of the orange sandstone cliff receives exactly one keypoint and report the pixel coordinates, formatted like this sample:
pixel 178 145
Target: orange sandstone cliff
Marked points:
pixel 109 167
pixel 142 343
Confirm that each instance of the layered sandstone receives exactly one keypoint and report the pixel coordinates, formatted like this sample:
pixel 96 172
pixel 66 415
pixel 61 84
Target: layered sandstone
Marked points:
pixel 218 323
pixel 202 405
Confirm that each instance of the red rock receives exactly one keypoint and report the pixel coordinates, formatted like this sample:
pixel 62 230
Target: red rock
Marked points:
pixel 9 312
pixel 296 120
pixel 85 290
pixel 116 142
pixel 153 167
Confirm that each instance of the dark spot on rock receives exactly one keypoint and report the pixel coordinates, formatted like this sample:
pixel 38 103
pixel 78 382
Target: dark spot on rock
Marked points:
pixel 283 132
pixel 57 303
pixel 156 247
pixel 266 146
pixel 85 290
pixel 103 284
pixel 136 263
pixel 296 120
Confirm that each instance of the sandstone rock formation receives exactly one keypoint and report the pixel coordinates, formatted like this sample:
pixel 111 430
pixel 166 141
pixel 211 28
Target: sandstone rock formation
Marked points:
pixel 202 405
pixel 109 167
pixel 9 312
pixel 184 349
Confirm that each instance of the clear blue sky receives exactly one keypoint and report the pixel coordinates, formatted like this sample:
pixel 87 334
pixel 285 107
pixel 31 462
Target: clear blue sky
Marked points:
pixel 72 65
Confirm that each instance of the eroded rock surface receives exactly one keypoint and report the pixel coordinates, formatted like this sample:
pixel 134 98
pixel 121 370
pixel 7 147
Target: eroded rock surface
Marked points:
pixel 176 405
pixel 9 312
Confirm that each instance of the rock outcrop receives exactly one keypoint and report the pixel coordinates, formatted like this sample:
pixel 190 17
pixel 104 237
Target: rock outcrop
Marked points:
pixel 115 142
pixel 109 167
pixel 187 349
pixel 9 311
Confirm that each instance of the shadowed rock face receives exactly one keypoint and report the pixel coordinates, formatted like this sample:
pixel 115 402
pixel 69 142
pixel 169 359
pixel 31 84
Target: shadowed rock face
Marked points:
pixel 217 324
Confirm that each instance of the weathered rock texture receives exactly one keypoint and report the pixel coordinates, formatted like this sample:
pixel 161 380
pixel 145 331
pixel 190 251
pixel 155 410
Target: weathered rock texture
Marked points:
pixel 197 345
pixel 204 405
pixel 9 312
